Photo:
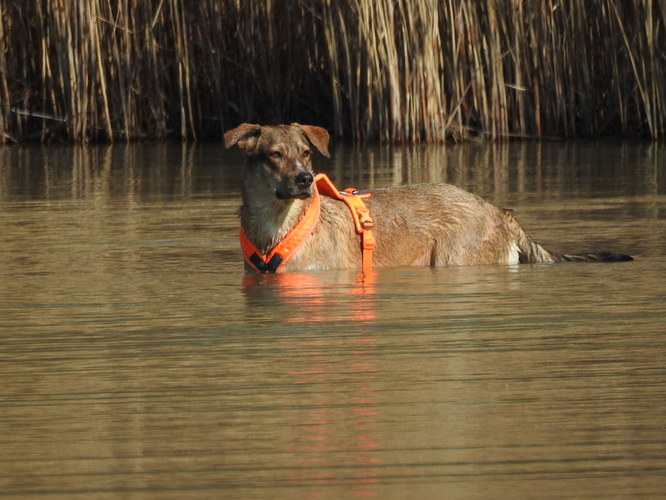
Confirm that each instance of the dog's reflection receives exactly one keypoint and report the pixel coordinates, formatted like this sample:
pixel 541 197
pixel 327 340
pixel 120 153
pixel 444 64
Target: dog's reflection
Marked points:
pixel 327 339
pixel 313 297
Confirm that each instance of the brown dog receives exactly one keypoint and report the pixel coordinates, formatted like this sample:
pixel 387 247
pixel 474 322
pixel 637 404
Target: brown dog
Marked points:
pixel 421 225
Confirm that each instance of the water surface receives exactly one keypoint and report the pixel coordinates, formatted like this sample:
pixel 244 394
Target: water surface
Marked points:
pixel 136 361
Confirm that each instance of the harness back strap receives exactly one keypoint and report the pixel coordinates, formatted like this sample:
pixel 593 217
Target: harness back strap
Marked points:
pixel 278 257
pixel 363 222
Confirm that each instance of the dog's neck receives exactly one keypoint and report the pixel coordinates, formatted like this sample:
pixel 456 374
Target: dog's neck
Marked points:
pixel 267 222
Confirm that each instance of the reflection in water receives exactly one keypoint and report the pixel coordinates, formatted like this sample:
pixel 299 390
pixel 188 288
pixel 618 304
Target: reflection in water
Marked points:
pixel 322 410
pixel 138 361
pixel 501 171
pixel 314 297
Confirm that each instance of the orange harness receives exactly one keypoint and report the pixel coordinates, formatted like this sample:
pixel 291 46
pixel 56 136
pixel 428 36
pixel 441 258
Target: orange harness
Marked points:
pixel 278 257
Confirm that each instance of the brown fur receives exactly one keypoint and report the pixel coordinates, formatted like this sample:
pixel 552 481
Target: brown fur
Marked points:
pixel 421 225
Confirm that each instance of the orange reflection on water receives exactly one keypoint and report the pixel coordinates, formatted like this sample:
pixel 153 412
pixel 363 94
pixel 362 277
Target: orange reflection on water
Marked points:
pixel 334 430
pixel 315 297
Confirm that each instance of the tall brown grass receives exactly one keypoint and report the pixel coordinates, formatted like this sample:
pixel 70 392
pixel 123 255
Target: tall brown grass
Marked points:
pixel 389 70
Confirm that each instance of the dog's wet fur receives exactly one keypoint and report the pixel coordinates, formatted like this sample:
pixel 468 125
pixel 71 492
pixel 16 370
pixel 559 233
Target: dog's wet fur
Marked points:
pixel 419 225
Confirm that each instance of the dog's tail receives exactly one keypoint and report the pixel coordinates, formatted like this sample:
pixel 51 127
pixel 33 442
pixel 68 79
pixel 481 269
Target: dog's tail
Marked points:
pixel 594 257
pixel 530 252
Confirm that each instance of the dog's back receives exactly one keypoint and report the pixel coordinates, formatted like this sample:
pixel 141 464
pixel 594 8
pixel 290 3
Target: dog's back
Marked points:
pixel 439 225
pixel 442 225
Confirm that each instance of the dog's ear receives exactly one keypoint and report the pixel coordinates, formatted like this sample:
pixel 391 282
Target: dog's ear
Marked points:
pixel 317 136
pixel 241 135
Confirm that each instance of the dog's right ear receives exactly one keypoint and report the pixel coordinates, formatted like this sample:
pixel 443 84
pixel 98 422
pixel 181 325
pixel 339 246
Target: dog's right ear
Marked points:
pixel 245 135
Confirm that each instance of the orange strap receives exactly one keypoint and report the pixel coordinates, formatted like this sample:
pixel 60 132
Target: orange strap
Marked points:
pixel 278 257
pixel 363 222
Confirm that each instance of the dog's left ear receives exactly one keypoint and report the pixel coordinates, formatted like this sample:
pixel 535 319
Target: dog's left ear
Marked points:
pixel 239 135
pixel 317 136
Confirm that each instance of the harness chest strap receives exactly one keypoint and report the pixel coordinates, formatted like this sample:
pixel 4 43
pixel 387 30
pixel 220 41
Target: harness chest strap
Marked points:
pixel 278 257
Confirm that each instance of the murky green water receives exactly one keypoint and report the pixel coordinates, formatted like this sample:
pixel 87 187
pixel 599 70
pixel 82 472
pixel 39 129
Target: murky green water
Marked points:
pixel 137 362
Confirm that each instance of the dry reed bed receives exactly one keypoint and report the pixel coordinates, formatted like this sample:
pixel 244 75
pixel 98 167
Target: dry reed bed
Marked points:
pixel 389 70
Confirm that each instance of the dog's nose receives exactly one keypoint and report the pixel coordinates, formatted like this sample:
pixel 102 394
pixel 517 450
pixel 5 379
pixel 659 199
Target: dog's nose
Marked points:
pixel 304 180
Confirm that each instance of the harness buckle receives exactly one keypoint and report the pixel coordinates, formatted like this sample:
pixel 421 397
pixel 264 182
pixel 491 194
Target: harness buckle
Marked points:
pixel 366 223
pixel 356 192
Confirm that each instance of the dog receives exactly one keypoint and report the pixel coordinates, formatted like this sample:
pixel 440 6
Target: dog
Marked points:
pixel 418 225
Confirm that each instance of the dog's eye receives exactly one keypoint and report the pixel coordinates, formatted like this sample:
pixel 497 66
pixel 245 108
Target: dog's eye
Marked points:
pixel 276 155
pixel 306 153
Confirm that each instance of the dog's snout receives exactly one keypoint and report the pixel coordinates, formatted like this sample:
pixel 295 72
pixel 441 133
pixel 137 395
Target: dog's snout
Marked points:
pixel 304 179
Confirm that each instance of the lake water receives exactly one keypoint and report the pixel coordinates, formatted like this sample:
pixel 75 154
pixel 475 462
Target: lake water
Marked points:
pixel 136 361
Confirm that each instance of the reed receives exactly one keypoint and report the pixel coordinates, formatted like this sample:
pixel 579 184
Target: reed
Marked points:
pixel 387 70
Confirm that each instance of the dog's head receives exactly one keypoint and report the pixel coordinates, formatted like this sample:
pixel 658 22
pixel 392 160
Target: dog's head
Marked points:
pixel 280 156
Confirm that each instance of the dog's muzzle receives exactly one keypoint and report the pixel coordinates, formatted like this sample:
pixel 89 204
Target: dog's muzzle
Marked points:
pixel 299 186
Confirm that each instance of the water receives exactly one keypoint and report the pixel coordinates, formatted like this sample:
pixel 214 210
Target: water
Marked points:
pixel 137 362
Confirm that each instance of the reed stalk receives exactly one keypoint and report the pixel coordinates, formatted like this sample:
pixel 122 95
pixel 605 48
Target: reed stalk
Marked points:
pixel 387 70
